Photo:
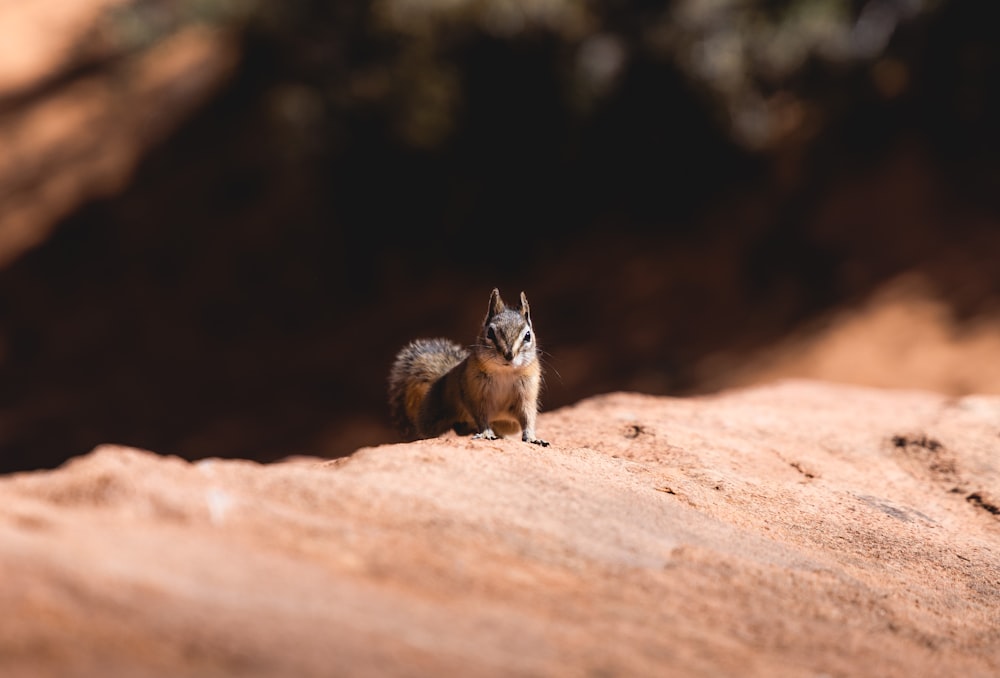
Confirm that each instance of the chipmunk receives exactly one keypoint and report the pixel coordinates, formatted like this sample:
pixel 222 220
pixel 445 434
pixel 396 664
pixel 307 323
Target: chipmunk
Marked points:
pixel 436 385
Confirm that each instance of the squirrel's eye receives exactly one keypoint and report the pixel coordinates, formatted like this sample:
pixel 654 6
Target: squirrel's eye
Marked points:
pixel 527 336
pixel 490 334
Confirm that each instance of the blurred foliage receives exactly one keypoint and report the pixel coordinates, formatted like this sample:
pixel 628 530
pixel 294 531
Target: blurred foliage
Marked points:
pixel 754 60
pixel 745 54
pixel 767 74
pixel 141 23
pixel 751 55
pixel 403 57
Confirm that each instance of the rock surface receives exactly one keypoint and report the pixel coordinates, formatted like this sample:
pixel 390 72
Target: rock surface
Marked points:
pixel 798 529
pixel 78 110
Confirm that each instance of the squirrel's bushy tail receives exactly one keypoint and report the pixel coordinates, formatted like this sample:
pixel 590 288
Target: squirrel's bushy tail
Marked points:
pixel 414 371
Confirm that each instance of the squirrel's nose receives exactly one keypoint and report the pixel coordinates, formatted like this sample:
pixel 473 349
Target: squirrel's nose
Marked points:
pixel 509 355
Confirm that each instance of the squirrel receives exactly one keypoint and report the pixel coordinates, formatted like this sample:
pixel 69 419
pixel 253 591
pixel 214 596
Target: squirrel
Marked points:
pixel 436 384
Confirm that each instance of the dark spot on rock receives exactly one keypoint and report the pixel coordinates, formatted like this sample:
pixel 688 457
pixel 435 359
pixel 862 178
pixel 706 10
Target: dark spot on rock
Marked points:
pixel 979 501
pixel 921 441
pixel 634 430
pixel 798 467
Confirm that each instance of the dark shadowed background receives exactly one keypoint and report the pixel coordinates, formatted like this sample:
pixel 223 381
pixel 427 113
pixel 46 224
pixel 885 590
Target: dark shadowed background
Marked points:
pixel 220 219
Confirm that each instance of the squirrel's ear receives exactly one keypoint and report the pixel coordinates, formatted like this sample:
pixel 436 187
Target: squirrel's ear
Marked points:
pixel 524 308
pixel 496 304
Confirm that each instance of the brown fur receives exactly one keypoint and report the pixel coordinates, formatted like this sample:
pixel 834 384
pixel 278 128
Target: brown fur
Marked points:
pixel 436 385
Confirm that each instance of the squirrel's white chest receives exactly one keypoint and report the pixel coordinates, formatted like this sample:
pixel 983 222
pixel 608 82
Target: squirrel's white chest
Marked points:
pixel 500 391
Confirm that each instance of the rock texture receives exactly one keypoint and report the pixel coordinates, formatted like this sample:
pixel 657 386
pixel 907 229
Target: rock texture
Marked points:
pixel 799 529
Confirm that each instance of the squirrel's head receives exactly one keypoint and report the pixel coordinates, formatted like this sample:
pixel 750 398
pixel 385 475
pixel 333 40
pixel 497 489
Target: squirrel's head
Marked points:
pixel 507 336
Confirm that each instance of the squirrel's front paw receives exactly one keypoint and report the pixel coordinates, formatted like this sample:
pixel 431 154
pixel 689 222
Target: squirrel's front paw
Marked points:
pixel 485 435
pixel 536 441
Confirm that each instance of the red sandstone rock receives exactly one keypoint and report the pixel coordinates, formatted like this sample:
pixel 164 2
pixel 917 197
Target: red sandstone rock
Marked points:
pixel 68 138
pixel 800 529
